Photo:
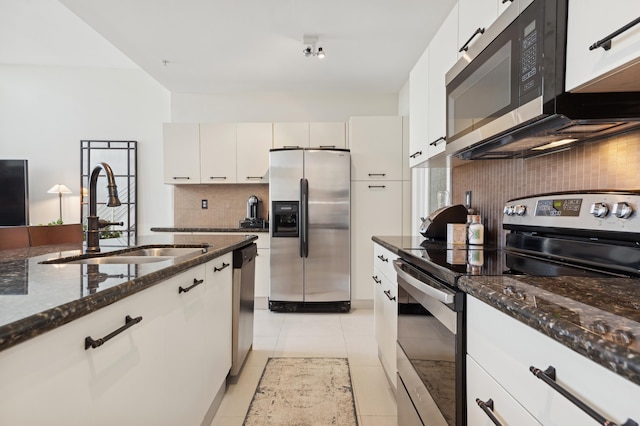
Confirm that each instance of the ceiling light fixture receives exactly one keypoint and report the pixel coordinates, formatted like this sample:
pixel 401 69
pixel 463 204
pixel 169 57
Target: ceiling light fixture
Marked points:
pixel 311 49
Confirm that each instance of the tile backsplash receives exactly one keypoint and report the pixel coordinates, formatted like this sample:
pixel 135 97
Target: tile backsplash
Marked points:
pixel 606 164
pixel 227 204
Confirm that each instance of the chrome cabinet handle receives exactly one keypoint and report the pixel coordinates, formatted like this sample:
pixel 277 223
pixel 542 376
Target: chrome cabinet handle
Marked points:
pixel 128 322
pixel 549 377
pixel 224 265
pixel 441 138
pixel 376 279
pixel 416 154
pixel 186 289
pixel 466 45
pixel 487 407
pixel 388 294
pixel 384 259
pixel 605 43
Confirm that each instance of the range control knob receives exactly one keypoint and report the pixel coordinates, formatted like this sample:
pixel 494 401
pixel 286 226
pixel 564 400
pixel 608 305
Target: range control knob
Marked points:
pixel 599 210
pixel 520 209
pixel 509 210
pixel 622 210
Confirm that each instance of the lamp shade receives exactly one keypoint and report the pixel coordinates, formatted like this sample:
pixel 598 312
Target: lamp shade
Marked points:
pixel 59 189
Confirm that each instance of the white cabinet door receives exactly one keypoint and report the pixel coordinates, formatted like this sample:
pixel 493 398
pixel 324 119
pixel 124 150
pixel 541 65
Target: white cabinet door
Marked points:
pixel 218 153
pixel 327 135
pixel 290 135
pixel 385 321
pixel 253 141
pixel 419 111
pixel 481 385
pixel 474 17
pixel 52 379
pixel 188 350
pixel 219 293
pixel 588 23
pixel 263 274
pixel 442 56
pixel 376 148
pixel 504 5
pixel 376 209
pixel 181 149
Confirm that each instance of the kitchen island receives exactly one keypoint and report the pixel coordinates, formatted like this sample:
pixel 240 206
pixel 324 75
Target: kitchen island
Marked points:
pixel 118 343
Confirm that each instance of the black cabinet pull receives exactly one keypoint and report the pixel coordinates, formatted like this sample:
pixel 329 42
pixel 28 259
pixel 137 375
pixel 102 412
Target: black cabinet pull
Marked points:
pixel 441 138
pixel 181 177
pixel 291 146
pixel 254 177
pixel 377 174
pixel 384 259
pixel 466 45
pixel 327 146
pixel 375 278
pixel 605 43
pixel 218 177
pixel 416 154
pixel 224 265
pixel 487 407
pixel 128 322
pixel 377 186
pixel 549 377
pixel 503 2
pixel 196 282
pixel 388 294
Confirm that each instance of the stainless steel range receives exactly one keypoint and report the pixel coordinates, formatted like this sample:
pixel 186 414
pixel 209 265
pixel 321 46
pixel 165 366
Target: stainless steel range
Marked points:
pixel 591 233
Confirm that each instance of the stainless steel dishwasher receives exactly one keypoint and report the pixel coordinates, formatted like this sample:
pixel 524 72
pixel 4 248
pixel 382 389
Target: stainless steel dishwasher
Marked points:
pixel 244 272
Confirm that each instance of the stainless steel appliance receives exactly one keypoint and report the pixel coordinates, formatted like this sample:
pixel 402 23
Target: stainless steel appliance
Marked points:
pixel 309 191
pixel 435 225
pixel 506 97
pixel 244 267
pixel 253 219
pixel 594 233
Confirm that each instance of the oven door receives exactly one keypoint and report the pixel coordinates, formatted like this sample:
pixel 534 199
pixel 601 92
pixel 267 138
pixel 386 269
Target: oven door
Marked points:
pixel 430 350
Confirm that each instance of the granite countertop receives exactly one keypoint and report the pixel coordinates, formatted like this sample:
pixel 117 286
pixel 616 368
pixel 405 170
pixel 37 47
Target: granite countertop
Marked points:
pixel 36 297
pixel 584 314
pixel 596 317
pixel 194 229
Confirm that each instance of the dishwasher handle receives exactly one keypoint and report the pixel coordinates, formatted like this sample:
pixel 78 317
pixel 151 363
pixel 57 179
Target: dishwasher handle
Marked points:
pixel 439 295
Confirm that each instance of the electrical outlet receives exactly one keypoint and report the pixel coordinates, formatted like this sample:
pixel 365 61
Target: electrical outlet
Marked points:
pixel 205 204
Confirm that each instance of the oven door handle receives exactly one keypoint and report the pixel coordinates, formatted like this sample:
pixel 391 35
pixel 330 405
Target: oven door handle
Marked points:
pixel 439 295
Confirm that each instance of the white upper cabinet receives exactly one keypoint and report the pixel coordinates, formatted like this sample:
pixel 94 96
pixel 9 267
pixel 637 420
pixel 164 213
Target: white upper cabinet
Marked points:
pixel 418 110
pixel 218 153
pixel 376 148
pixel 328 135
pixel 181 143
pixel 290 135
pixel 442 56
pixel 253 141
pixel 590 22
pixel 474 17
pixel 504 5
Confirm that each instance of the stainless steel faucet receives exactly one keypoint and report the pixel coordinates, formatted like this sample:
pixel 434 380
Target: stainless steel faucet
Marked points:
pixel 94 223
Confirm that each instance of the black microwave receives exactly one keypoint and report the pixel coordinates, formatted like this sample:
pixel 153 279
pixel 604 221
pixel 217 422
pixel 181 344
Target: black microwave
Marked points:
pixel 506 96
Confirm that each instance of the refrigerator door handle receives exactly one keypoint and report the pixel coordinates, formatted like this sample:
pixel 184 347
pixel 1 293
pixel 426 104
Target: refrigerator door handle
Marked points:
pixel 304 217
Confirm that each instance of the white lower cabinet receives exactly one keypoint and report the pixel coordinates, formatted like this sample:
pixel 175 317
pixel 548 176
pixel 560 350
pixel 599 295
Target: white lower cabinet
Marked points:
pixel 385 309
pixel 163 370
pixel 505 349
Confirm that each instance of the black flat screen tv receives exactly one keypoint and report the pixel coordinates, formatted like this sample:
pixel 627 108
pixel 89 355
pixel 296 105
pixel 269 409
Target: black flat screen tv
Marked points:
pixel 14 193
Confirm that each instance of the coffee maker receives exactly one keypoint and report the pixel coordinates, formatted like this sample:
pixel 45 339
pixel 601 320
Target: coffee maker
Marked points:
pixel 253 220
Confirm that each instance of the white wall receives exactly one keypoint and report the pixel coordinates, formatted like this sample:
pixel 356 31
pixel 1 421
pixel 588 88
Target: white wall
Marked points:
pixel 44 113
pixel 271 107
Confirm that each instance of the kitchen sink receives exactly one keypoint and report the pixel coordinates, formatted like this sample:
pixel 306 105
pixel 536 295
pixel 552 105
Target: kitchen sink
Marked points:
pixel 148 254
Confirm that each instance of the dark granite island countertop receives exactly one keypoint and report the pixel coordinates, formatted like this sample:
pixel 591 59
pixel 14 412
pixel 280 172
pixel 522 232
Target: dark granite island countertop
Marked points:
pixel 36 297
pixel 205 229
pixel 596 317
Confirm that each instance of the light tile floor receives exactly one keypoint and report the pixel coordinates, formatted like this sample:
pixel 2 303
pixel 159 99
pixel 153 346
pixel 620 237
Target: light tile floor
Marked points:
pixel 315 335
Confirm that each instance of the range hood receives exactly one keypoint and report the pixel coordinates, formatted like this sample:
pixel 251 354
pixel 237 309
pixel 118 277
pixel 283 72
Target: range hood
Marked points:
pixel 581 117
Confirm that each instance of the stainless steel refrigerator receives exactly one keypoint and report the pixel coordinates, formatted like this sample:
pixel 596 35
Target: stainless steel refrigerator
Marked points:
pixel 310 196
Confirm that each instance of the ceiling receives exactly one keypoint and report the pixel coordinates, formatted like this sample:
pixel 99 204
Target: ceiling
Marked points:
pixel 240 46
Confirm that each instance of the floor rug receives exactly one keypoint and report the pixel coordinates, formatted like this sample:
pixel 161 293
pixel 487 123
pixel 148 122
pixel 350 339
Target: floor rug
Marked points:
pixel 303 392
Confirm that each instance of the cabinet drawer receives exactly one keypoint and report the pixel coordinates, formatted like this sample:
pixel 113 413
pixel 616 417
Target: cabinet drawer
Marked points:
pixel 383 260
pixel 506 409
pixel 506 348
